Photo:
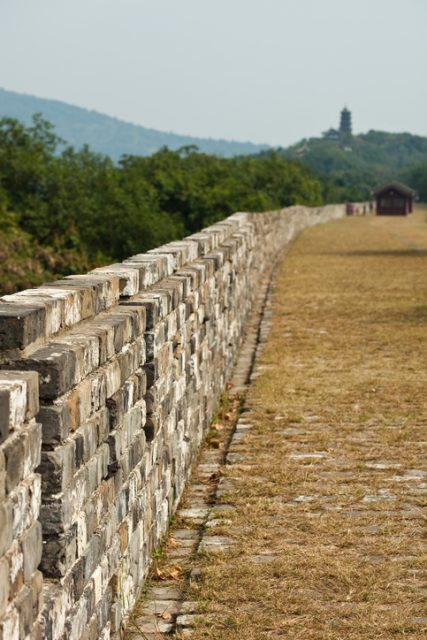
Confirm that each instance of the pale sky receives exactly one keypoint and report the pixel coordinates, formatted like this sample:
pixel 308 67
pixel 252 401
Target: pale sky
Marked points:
pixel 269 71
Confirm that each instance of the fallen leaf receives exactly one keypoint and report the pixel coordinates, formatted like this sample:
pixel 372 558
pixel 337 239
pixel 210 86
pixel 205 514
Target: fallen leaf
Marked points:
pixel 165 615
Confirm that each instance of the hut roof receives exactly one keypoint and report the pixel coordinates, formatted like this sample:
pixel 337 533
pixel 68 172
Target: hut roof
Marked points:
pixel 398 186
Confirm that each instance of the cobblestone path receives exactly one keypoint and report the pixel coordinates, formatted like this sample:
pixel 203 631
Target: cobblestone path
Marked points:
pixel 317 529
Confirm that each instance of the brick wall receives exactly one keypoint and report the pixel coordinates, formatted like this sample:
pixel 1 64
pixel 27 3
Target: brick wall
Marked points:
pixel 108 383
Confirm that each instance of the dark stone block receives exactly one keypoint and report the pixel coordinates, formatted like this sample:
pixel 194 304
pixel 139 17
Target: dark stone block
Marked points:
pixel 59 553
pixel 151 306
pixel 56 366
pixel 4 415
pixel 149 430
pixel 78 578
pixel 56 424
pixel 115 406
pixel 14 454
pixel 79 450
pixel 21 325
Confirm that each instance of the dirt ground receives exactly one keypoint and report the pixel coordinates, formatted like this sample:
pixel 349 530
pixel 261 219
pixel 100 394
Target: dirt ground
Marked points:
pixel 328 488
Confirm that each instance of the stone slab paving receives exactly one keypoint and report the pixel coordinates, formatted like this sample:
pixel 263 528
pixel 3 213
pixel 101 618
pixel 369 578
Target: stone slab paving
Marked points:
pixel 332 444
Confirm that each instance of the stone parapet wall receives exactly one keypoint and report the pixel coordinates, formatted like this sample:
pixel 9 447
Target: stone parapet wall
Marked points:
pixel 131 360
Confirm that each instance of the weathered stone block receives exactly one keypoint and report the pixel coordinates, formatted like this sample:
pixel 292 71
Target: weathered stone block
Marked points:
pixel 5 411
pixel 128 277
pixel 59 553
pixel 13 450
pixel 9 625
pixel 21 325
pixel 24 606
pixel 31 543
pixel 106 287
pixel 24 503
pixel 57 467
pixel 151 306
pixel 6 527
pixel 56 422
pixel 56 365
pixel 23 390
pixel 156 267
pixel 4 585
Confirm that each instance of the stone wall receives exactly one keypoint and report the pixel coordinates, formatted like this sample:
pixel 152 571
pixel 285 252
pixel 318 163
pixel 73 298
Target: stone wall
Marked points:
pixel 131 360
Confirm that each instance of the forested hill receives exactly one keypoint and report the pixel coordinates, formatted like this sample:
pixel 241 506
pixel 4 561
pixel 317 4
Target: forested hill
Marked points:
pixel 108 135
pixel 354 168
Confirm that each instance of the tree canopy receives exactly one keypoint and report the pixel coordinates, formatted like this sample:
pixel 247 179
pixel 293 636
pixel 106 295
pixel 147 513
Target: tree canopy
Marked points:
pixel 84 210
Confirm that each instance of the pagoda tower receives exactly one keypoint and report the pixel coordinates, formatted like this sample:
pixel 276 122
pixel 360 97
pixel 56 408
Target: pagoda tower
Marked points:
pixel 345 123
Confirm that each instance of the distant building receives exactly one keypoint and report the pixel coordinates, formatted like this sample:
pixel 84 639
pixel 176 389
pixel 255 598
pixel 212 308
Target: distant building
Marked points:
pixel 394 199
pixel 332 134
pixel 345 123
pixel 344 133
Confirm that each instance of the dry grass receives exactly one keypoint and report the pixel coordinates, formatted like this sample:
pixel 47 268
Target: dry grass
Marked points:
pixel 344 377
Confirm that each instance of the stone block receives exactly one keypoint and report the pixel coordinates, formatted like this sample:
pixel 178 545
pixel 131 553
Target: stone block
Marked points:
pixel 5 410
pixel 57 467
pixel 56 365
pixel 24 504
pixel 104 332
pixel 56 423
pixel 127 274
pixel 35 583
pixel 205 241
pixel 2 476
pixel 180 252
pixel 54 304
pixel 59 553
pixel 9 625
pixel 21 325
pixel 151 306
pixel 13 450
pixel 106 287
pixel 88 293
pixel 23 390
pixel 31 543
pixel 174 288
pixel 4 585
pixel 15 561
pixel 32 436
pixel 155 339
pixel 24 606
pixel 157 267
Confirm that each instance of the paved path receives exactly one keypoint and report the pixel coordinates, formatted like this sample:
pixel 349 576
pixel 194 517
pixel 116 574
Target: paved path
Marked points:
pixel 318 528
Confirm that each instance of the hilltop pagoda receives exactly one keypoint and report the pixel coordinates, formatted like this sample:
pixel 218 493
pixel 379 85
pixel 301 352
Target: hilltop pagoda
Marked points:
pixel 345 123
pixel 344 133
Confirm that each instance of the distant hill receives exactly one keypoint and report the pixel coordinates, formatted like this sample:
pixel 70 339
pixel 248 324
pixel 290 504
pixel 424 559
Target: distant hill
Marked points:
pixel 108 135
pixel 352 170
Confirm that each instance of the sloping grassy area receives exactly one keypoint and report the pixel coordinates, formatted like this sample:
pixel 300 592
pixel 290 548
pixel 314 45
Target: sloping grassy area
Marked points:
pixel 330 489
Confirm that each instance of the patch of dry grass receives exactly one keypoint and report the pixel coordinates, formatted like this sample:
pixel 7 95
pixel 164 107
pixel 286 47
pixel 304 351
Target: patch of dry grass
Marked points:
pixel 329 519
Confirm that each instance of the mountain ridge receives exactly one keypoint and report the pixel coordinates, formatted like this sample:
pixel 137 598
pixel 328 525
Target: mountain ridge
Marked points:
pixel 110 135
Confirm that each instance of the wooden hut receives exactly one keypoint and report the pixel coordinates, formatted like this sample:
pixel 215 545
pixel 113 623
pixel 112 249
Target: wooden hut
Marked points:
pixel 394 199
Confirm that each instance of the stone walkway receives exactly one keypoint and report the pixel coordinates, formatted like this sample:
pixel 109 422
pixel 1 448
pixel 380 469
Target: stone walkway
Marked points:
pixel 315 526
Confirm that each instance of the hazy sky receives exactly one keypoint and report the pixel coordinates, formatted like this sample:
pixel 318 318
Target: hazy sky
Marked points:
pixel 263 70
